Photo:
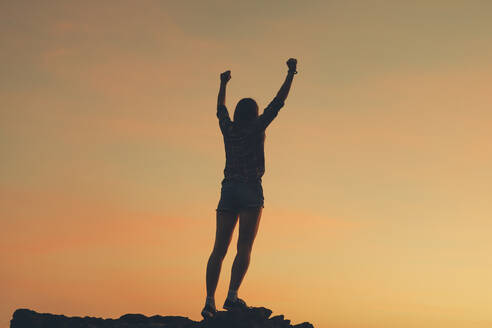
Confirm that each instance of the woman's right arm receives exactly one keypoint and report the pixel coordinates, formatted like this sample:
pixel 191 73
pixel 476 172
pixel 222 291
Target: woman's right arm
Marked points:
pixel 285 88
pixel 277 103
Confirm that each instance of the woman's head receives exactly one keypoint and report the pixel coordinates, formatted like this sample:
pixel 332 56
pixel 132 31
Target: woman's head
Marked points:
pixel 246 110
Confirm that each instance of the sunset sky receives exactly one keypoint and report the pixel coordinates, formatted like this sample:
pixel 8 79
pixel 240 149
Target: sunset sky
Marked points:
pixel 378 197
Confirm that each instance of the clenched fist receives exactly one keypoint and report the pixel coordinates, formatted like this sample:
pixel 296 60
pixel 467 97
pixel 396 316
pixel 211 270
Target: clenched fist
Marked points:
pixel 225 77
pixel 292 64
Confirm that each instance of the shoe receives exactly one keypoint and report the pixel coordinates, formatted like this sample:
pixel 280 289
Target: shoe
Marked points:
pixel 237 304
pixel 208 311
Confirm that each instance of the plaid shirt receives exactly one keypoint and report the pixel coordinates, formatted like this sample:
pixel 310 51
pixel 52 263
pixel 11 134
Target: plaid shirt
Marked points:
pixel 244 143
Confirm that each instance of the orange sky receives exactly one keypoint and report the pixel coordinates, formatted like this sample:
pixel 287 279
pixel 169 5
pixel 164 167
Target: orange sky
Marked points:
pixel 377 185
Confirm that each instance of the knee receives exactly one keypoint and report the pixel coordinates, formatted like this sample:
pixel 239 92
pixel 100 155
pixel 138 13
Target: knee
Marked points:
pixel 244 251
pixel 218 254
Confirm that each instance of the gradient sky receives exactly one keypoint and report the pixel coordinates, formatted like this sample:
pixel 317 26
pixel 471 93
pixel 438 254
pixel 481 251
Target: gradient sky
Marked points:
pixel 377 186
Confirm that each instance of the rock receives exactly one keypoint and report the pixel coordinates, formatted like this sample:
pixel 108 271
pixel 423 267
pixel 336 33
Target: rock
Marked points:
pixel 303 325
pixel 278 321
pixel 133 318
pixel 255 317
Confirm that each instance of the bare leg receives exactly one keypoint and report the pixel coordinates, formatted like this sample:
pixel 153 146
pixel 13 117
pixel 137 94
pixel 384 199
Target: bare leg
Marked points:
pixel 249 221
pixel 226 222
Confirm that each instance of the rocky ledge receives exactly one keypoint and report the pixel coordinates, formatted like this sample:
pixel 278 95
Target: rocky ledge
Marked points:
pixel 256 317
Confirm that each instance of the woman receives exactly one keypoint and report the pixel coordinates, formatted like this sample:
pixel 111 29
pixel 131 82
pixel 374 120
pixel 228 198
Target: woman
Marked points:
pixel 241 193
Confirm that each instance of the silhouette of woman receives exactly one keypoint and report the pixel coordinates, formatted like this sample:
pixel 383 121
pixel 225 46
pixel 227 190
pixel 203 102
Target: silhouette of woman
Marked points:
pixel 241 193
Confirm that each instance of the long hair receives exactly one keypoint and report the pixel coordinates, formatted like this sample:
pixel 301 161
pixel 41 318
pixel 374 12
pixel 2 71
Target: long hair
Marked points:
pixel 246 110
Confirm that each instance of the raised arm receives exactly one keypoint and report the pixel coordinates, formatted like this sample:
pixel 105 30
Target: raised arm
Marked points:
pixel 285 88
pixel 224 78
pixel 277 103
pixel 222 113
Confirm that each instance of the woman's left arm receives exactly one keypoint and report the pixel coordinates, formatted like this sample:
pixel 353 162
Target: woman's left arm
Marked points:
pixel 222 113
pixel 224 78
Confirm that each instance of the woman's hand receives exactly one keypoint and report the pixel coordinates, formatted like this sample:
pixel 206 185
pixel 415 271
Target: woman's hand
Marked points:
pixel 292 64
pixel 225 77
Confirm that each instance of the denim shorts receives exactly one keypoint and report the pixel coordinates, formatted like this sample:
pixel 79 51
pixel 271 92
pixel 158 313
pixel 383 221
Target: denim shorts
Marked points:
pixel 235 196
